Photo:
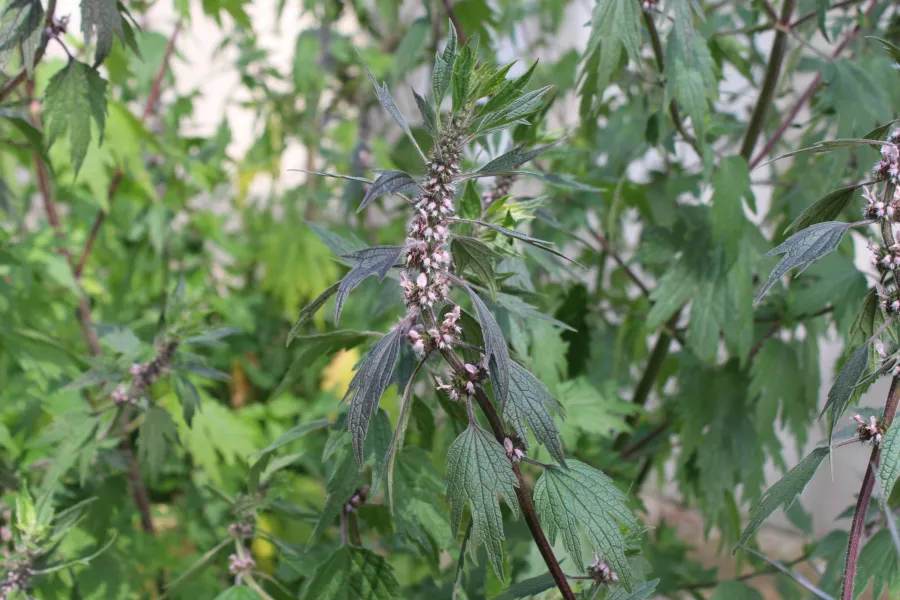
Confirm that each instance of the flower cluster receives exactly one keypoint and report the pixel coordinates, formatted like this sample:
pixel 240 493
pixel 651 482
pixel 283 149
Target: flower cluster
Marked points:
pixel 871 430
pixel 877 209
pixel 889 165
pixel 886 258
pixel 513 452
pixel 889 301
pixel 426 342
pixel 143 375
pixel 600 571
pixel 463 385
pixel 240 531
pixel 238 565
pixel 18 576
pixel 358 499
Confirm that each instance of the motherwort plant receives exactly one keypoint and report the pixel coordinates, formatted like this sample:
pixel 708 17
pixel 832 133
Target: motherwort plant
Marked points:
pixel 448 259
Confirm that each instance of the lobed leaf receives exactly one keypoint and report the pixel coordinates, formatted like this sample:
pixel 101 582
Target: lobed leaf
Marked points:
pixel 514 112
pixel 783 493
pixel 843 386
pixel 507 163
pixel 804 248
pixel 475 256
pixel 370 261
pixel 443 68
pixel 641 591
pixel 582 500
pixel 352 574
pixel 156 434
pixel 530 404
pixel 477 470
pixel 461 77
pixel 388 182
pixel 102 15
pixel 509 92
pixel 879 561
pixel 368 385
pixel 496 354
pixel 889 466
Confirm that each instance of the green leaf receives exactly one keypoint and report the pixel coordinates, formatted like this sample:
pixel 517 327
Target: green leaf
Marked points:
pixel 21 22
pixel 530 404
pixel 477 470
pixel 881 132
pixel 75 95
pixel 675 288
pixel 104 16
pixel 496 354
pixel 879 561
pixel 352 574
pixel 830 146
pixel 843 386
pixel 582 500
pixel 783 493
pixel 892 49
pixel 369 261
pixel 315 346
pixel 388 182
pixel 513 113
pixel 155 435
pixel 508 93
pixel 731 183
pixel 889 467
pixel 309 311
pixel 399 434
pixel 345 479
pixel 429 117
pixel 367 387
pixel 188 397
pixel 461 564
pixel 802 249
pixel 443 68
pixel 237 592
pixel 614 23
pixel 461 79
pixel 470 203
pixel 827 208
pixel 691 95
pixel 292 435
pixel 507 163
pixel 475 256
pixel 528 588
pixel 735 590
pixel 384 96
pixel 641 591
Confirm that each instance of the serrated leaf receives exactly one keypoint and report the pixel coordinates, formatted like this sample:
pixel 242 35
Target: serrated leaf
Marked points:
pixel 188 397
pixel 889 467
pixel 614 23
pixel 491 82
pixel 314 347
pixel 892 49
pixel 470 203
pixel 477 470
pixel 509 92
pixel 443 68
pixel 368 385
pixel 309 311
pixel 826 209
pixel 102 15
pixel 528 588
pixel 731 184
pixel 461 78
pixel 369 261
pixel 507 163
pixel 802 249
pixel 21 23
pixel 514 112
pixel 675 288
pixel 345 478
pixel 530 404
pixel 843 386
pixel 878 561
pixel 516 305
pixel 690 92
pixel 783 493
pixel 155 435
pixel 580 501
pixel 881 132
pixel 75 95
pixel 399 434
pixel 353 574
pixel 429 117
pixel 496 354
pixel 641 591
pixel 518 235
pixel 384 96
pixel 388 182
pixel 475 256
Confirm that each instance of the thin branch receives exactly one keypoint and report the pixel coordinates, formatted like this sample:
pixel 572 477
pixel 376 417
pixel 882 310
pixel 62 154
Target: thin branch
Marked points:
pixel 630 453
pixel 865 496
pixel 656 43
pixel 604 243
pixel 807 93
pixel 149 106
pixel 772 330
pixel 770 570
pixel 770 82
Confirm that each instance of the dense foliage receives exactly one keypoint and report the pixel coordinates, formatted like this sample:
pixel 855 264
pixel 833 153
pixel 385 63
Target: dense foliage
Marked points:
pixel 524 289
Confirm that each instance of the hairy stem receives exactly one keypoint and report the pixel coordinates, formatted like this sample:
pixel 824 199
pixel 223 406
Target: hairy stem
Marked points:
pixel 865 496
pixel 770 83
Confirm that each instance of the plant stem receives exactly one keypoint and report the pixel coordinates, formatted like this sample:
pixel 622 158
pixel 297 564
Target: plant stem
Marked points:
pixel 807 93
pixel 770 83
pixel 865 495
pixel 661 65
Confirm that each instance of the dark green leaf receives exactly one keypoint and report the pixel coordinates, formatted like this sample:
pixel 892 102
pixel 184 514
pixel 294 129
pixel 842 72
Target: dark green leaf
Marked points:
pixel 474 256
pixel 461 78
pixel 352 574
pixel 344 480
pixel 396 445
pixel 369 261
pixel 528 588
pixel 783 493
pixel 825 209
pixel 731 184
pixel 507 163
pixel 802 249
pixel 75 95
pixel 477 470
pixel 879 561
pixel 429 117
pixel 530 404
pixel 367 387
pixel 889 466
pixel 830 146
pixel 443 68
pixel 470 203
pixel 292 435
pixel 188 397
pixel 156 434
pixel 388 182
pixel 508 93
pixel 104 16
pixel 892 49
pixel 843 386
pixel 496 354
pixel 309 311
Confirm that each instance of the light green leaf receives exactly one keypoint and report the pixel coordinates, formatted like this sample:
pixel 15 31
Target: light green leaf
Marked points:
pixel 352 574
pixel 75 95
pixel 477 470
pixel 470 203
pixel 508 93
pixel 530 404
pixel 783 493
pixel 731 184
pixel 614 23
pixel 155 435
pixel 889 467
pixel 675 288
pixel 461 79
pixel 443 68
pixel 582 501
pixel 691 95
